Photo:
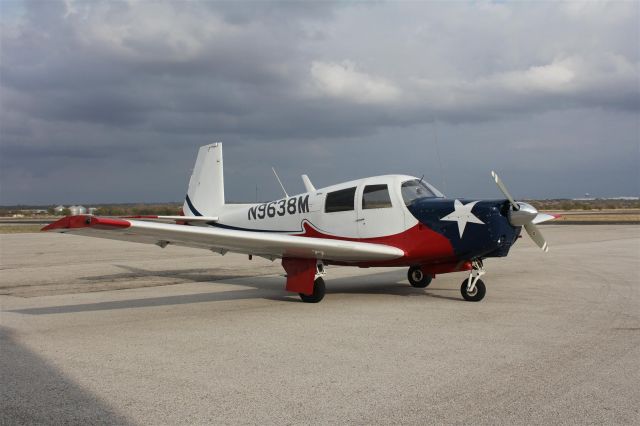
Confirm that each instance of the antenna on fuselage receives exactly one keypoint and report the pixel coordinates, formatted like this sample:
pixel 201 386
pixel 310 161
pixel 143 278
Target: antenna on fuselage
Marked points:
pixel 280 182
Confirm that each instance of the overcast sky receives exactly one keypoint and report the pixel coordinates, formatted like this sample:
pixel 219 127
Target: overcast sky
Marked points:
pixel 108 101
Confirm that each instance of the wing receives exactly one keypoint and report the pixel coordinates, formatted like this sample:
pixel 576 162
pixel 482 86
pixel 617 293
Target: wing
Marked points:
pixel 221 240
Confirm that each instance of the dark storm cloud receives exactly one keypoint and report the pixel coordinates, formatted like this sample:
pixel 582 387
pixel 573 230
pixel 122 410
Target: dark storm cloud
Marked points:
pixel 88 86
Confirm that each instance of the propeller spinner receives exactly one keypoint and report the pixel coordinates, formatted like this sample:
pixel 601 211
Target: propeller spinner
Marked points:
pixel 523 214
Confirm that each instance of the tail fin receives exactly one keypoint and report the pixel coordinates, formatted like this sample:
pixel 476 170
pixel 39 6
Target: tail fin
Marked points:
pixel 205 196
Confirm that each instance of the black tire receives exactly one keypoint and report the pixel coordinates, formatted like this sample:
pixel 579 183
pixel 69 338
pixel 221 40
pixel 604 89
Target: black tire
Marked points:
pixel 318 292
pixel 478 293
pixel 417 278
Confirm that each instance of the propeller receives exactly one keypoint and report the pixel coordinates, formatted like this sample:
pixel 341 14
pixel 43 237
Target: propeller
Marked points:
pixel 504 190
pixel 522 214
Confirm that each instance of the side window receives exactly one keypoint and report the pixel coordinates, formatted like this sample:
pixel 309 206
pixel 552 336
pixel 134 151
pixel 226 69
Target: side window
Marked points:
pixel 376 197
pixel 340 201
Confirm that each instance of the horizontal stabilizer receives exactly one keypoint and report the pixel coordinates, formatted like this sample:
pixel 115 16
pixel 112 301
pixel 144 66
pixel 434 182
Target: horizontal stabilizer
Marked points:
pixel 175 218
pixel 543 217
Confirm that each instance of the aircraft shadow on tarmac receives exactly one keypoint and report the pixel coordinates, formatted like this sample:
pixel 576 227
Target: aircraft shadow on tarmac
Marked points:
pixel 34 392
pixel 264 287
pixel 196 275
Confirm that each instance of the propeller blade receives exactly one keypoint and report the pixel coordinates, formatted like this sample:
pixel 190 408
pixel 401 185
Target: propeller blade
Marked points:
pixel 536 236
pixel 504 190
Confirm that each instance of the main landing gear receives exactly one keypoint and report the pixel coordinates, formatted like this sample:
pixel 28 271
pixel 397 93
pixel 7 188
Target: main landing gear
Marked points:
pixel 417 278
pixel 318 287
pixel 473 289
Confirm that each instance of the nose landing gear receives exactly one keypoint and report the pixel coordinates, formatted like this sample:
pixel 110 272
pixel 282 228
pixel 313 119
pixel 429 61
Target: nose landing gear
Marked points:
pixel 417 278
pixel 473 288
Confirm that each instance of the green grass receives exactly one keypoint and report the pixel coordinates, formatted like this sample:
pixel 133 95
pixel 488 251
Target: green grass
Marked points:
pixel 20 229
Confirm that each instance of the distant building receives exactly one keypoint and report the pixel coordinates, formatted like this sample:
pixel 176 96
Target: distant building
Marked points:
pixel 59 209
pixel 92 210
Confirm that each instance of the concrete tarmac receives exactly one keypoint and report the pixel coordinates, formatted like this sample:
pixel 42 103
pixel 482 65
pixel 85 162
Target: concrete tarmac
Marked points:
pixel 102 332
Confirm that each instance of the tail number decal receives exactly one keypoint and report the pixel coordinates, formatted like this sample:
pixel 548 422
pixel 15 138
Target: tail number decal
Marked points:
pixel 291 205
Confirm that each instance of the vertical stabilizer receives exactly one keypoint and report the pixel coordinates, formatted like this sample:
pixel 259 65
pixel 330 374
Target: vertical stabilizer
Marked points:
pixel 205 196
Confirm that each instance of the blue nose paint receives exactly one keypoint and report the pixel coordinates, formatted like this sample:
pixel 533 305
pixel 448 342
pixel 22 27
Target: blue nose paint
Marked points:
pixel 476 229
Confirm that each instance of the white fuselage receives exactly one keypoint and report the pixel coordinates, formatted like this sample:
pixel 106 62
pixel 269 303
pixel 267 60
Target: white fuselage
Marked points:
pixel 288 215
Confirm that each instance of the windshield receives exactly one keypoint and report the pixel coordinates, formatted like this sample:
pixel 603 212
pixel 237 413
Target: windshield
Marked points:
pixel 417 188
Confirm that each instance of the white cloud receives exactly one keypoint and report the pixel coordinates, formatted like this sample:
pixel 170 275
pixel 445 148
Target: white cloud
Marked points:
pixel 143 31
pixel 549 77
pixel 342 80
pixel 597 80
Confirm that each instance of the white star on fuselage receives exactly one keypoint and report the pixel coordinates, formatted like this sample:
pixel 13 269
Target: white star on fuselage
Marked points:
pixel 462 214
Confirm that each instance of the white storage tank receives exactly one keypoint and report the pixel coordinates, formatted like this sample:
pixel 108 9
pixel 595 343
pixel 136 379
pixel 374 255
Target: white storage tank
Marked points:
pixel 75 210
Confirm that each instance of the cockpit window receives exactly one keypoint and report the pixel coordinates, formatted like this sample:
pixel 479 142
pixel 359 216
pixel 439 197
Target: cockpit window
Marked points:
pixel 417 188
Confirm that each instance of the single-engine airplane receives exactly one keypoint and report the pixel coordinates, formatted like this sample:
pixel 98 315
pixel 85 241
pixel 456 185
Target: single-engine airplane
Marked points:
pixel 391 220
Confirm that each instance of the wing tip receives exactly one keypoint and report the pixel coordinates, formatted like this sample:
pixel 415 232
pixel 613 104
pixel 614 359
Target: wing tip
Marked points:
pixel 85 221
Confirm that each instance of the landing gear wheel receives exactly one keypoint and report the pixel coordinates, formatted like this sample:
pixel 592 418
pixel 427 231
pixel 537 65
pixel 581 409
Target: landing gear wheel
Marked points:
pixel 318 292
pixel 476 295
pixel 417 278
